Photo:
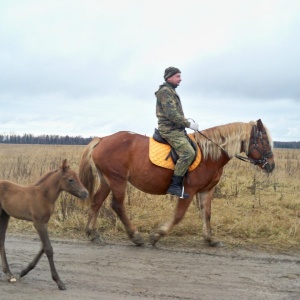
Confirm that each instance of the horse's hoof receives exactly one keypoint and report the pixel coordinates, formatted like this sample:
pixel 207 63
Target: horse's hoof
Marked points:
pixel 216 244
pixel 94 237
pixel 137 239
pixel 154 238
pixel 98 240
pixel 90 232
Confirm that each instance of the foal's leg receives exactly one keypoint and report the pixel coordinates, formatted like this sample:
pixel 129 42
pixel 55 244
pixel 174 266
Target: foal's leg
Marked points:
pixel 205 201
pixel 118 190
pixel 47 248
pixel 98 200
pixel 165 228
pixel 4 218
pixel 32 265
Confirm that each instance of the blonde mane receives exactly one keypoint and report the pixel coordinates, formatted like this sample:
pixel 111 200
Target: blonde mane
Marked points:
pixel 233 137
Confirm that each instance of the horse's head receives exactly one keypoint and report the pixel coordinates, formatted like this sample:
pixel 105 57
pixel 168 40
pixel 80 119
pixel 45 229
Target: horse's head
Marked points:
pixel 260 148
pixel 71 183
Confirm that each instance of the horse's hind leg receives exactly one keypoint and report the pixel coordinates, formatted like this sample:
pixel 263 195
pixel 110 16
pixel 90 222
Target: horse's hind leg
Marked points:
pixel 98 200
pixel 4 218
pixel 118 190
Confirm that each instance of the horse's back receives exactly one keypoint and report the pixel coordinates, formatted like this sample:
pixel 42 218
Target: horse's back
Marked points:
pixel 120 145
pixel 124 135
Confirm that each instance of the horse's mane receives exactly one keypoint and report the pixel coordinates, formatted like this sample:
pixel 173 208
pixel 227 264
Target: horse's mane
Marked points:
pixel 44 177
pixel 230 137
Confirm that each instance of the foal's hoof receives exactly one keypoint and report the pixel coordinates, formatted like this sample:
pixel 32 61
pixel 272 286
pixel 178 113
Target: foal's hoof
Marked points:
pixel 12 279
pixel 61 286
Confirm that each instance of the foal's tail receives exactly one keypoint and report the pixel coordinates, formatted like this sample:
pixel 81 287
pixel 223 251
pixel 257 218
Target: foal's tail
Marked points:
pixel 86 172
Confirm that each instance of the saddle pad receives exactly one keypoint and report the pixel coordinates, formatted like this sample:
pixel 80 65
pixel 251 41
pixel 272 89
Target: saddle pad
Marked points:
pixel 158 153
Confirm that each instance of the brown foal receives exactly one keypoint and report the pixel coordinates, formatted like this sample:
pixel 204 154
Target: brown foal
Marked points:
pixel 35 203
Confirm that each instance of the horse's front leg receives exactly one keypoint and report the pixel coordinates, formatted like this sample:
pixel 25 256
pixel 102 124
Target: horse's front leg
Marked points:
pixel 205 199
pixel 47 248
pixel 4 218
pixel 165 228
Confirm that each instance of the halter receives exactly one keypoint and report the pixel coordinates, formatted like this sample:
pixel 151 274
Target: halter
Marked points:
pixel 255 135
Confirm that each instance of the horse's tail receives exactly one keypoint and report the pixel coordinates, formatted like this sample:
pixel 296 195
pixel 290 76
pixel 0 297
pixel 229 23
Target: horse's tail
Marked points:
pixel 86 172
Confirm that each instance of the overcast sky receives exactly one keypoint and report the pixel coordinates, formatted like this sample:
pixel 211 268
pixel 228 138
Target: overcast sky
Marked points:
pixel 91 68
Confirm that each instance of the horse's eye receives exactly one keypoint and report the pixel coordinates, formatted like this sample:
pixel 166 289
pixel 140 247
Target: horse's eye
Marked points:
pixel 70 180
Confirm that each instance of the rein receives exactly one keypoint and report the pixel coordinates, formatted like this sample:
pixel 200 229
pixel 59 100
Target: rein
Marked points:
pixel 213 142
pixel 264 154
pixel 246 159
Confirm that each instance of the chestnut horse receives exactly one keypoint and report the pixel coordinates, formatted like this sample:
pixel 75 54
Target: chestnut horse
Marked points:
pixel 35 203
pixel 124 157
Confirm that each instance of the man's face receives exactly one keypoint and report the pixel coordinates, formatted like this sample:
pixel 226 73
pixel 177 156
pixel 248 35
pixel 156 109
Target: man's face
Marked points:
pixel 175 79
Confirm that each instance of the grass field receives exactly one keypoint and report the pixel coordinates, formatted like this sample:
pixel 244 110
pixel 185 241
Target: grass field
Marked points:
pixel 250 209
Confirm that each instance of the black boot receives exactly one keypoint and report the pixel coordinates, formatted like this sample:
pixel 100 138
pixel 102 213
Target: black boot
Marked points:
pixel 176 187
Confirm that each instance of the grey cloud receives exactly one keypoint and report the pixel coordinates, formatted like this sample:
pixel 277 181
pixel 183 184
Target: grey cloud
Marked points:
pixel 260 72
pixel 41 75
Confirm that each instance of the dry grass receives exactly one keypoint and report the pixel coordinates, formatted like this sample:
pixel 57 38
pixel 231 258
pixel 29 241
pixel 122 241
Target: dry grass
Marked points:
pixel 250 209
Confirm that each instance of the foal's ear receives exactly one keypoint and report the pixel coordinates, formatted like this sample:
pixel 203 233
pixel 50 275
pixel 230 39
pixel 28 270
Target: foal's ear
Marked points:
pixel 65 164
pixel 260 125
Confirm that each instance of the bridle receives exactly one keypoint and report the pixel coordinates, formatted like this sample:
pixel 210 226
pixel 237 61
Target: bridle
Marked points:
pixel 256 135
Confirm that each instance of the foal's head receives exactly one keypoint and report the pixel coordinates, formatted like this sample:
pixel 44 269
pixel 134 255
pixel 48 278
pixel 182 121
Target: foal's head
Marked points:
pixel 71 183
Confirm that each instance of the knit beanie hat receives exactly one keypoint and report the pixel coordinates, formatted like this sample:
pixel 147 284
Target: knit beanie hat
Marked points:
pixel 169 72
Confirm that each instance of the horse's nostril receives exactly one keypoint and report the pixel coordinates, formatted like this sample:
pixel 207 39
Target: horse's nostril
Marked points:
pixel 271 168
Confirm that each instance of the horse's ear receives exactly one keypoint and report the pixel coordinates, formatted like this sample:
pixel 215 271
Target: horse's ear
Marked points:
pixel 64 164
pixel 260 125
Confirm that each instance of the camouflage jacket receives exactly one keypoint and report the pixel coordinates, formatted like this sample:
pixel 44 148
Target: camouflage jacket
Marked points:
pixel 169 109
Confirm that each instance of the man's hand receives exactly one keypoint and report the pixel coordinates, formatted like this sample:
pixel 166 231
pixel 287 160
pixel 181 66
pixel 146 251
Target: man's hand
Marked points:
pixel 194 126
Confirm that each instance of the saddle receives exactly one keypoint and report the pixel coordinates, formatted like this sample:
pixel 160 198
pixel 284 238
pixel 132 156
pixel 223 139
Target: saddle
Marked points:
pixel 174 156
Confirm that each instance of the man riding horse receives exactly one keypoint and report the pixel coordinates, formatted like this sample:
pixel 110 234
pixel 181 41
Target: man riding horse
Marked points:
pixel 171 126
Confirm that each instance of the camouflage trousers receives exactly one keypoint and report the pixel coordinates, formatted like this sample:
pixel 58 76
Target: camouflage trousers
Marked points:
pixel 177 139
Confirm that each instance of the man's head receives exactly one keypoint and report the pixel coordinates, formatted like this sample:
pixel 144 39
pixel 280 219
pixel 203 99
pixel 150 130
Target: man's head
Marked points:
pixel 173 76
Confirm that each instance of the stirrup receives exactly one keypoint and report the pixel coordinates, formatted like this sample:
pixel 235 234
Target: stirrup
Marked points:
pixel 183 195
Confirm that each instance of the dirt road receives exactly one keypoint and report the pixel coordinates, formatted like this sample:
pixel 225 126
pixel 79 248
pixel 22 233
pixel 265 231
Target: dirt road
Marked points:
pixel 124 271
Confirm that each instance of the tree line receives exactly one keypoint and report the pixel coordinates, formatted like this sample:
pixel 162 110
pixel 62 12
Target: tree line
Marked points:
pixel 288 145
pixel 46 139
pixel 43 139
